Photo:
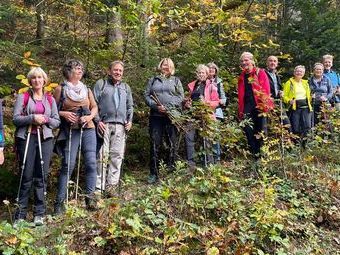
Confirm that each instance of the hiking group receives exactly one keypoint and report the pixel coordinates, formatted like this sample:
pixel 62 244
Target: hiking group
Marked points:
pixel 93 124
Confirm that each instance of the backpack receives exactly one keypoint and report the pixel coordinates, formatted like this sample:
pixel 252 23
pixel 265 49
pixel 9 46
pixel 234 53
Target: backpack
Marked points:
pixel 102 87
pixel 27 96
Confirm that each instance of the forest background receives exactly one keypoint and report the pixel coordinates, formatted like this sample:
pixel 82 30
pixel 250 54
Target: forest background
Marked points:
pixel 293 207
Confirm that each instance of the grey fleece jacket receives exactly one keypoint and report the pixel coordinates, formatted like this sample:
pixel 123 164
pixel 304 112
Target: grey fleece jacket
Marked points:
pixel 103 92
pixel 168 90
pixel 22 118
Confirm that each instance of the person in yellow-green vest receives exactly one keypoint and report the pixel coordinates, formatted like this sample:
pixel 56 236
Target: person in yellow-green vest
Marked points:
pixel 297 94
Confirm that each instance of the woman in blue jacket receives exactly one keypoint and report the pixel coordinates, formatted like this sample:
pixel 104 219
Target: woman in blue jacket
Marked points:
pixel 321 89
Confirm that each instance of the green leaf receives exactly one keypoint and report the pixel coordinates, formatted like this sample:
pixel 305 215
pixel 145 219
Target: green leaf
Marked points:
pixel 20 77
pixel 213 251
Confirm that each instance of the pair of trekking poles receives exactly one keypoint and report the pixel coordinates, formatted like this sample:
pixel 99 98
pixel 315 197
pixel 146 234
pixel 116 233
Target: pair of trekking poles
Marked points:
pixel 69 160
pixel 29 131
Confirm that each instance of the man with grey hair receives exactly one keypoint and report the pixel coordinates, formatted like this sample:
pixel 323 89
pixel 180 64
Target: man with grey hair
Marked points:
pixel 276 87
pixel 115 108
pixel 253 100
pixel 274 79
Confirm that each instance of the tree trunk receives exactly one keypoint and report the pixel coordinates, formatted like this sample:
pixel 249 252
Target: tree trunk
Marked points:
pixel 114 34
pixel 41 21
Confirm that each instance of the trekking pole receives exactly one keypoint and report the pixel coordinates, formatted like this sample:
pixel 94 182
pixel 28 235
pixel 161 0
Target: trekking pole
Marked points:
pixel 79 157
pixel 281 122
pixel 24 160
pixel 68 163
pixel 41 160
pixel 282 138
pixel 102 170
pixel 205 152
pixel 122 166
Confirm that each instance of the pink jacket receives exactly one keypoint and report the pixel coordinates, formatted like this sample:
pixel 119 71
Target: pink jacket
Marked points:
pixel 211 96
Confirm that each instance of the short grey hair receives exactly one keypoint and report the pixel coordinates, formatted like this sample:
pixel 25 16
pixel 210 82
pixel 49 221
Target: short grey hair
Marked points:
pixel 214 66
pixel 201 67
pixel 248 54
pixel 116 62
pixel 300 67
pixel 327 56
pixel 36 71
pixel 318 64
pixel 69 65
pixel 272 56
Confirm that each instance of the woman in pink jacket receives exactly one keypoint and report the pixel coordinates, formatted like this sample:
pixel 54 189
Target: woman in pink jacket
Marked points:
pixel 202 90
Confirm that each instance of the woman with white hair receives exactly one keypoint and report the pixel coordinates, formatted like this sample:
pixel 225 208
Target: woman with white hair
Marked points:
pixel 35 115
pixel 297 94
pixel 164 93
pixel 254 100
pixel 321 89
pixel 201 89
pixel 327 61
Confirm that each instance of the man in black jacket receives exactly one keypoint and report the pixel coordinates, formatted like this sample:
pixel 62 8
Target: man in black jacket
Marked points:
pixel 276 86
pixel 274 79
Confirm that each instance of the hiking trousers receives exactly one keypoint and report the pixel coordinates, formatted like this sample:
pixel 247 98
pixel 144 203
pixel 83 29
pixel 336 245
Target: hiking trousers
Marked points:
pixel 111 156
pixel 32 176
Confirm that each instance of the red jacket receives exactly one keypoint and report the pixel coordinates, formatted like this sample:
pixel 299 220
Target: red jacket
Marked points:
pixel 211 96
pixel 261 90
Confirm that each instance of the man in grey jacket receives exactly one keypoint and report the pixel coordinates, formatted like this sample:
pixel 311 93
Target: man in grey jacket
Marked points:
pixel 115 105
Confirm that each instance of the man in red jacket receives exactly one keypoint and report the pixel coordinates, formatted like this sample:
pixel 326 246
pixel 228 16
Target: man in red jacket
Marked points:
pixel 254 100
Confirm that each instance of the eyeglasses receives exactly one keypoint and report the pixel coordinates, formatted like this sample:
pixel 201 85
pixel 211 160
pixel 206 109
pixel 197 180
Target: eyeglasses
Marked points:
pixel 76 68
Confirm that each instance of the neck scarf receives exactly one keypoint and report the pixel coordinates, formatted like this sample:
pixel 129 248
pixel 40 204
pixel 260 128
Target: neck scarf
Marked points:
pixel 76 92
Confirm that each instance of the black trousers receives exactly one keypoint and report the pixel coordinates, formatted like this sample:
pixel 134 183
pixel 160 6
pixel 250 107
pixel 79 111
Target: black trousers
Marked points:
pixel 301 121
pixel 160 127
pixel 33 175
pixel 259 124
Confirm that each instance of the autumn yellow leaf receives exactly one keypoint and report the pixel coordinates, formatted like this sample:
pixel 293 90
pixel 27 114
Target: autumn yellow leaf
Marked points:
pixel 12 240
pixel 53 85
pixel 48 89
pixel 27 54
pixel 30 63
pixel 23 90
pixel 25 82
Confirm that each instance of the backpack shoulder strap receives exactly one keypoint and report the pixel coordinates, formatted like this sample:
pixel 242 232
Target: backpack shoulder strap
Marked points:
pixel 102 86
pixel 62 96
pixel 26 98
pixel 49 99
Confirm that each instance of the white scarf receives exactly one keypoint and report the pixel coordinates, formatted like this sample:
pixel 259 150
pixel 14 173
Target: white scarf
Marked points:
pixel 76 92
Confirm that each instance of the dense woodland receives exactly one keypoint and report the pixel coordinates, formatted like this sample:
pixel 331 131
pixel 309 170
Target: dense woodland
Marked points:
pixel 286 203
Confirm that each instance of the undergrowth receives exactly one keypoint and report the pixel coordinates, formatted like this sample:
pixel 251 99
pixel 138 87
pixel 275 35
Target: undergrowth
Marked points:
pixel 225 209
